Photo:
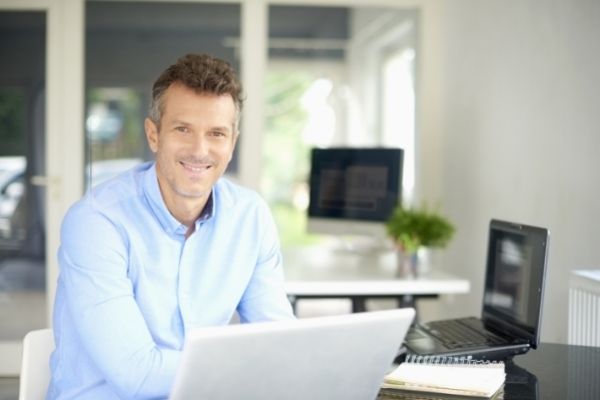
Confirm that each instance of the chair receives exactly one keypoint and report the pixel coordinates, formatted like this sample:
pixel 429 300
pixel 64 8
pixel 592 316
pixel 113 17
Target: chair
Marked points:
pixel 35 367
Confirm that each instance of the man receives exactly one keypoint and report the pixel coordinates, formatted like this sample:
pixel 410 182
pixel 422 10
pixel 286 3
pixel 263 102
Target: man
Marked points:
pixel 164 248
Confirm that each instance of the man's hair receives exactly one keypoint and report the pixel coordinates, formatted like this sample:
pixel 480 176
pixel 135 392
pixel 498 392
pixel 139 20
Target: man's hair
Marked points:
pixel 202 73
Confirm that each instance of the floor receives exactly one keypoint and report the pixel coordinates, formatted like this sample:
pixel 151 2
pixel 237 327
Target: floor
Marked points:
pixel 23 303
pixel 9 388
pixel 22 297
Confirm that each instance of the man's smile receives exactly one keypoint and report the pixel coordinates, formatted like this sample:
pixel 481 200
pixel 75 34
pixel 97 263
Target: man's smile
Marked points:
pixel 196 167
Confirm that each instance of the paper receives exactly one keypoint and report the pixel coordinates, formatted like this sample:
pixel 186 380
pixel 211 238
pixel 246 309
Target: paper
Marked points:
pixel 471 379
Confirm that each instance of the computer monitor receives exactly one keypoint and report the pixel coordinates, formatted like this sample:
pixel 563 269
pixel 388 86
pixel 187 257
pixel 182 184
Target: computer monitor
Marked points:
pixel 353 191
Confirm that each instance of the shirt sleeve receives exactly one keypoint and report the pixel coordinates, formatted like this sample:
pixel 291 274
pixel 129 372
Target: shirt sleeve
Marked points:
pixel 100 297
pixel 265 298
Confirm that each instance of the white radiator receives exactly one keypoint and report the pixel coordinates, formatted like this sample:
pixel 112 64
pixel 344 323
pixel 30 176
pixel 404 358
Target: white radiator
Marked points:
pixel 584 308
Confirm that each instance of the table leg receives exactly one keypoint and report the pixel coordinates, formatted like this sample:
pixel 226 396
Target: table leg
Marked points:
pixel 293 300
pixel 358 304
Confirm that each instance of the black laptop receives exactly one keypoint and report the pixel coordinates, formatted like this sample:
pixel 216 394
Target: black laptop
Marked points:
pixel 512 301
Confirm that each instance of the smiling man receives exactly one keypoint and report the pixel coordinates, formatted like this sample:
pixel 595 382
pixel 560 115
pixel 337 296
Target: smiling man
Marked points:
pixel 164 248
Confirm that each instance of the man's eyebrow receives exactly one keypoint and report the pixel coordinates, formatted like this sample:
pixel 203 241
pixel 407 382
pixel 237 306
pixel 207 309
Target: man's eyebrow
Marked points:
pixel 225 128
pixel 180 122
pixel 221 128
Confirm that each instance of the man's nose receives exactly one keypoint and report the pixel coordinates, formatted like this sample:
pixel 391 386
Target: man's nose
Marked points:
pixel 200 144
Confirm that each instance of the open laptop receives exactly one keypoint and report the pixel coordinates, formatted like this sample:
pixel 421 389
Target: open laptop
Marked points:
pixel 334 357
pixel 512 301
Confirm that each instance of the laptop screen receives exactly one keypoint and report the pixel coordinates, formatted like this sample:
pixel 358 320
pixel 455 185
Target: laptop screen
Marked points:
pixel 516 264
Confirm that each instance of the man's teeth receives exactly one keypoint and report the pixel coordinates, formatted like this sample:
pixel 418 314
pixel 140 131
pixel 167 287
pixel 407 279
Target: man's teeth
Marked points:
pixel 196 169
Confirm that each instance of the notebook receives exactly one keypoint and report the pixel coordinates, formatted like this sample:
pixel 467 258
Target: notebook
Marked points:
pixel 447 375
pixel 512 302
pixel 334 357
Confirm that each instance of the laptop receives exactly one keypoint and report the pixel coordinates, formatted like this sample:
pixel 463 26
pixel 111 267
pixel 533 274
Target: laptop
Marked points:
pixel 333 357
pixel 512 302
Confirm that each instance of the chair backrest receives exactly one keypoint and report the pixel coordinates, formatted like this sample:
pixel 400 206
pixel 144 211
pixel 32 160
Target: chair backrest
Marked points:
pixel 35 367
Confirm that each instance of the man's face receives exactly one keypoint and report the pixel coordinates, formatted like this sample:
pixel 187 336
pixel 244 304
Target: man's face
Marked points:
pixel 194 143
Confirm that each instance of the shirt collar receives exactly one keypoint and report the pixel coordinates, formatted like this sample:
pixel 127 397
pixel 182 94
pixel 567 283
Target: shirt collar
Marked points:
pixel 208 211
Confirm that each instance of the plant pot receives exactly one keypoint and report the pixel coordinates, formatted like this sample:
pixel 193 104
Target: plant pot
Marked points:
pixel 408 264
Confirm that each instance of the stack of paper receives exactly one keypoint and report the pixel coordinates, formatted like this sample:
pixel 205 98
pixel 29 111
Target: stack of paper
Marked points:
pixel 470 379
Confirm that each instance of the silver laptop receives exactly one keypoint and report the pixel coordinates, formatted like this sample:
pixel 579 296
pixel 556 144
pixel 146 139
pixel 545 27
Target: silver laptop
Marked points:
pixel 334 357
pixel 512 302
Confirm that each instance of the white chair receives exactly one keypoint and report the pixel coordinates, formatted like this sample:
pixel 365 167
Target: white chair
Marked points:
pixel 35 367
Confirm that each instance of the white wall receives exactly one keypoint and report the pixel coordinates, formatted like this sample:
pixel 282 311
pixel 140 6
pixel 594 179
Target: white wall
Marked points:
pixel 519 134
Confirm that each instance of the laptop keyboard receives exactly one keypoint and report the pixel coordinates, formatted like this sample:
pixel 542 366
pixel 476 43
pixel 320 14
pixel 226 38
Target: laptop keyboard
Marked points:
pixel 460 333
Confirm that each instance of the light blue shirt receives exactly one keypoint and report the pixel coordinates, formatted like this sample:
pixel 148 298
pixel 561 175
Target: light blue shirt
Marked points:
pixel 131 285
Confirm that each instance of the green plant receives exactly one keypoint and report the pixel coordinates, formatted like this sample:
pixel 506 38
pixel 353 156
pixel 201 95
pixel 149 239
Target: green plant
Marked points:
pixel 411 228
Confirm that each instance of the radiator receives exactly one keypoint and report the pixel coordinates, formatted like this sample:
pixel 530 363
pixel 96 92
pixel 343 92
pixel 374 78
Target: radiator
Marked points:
pixel 584 308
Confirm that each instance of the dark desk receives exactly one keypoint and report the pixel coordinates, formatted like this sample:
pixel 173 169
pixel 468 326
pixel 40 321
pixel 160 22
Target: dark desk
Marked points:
pixel 552 372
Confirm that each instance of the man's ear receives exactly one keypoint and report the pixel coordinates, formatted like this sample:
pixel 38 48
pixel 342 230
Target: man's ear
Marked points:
pixel 151 134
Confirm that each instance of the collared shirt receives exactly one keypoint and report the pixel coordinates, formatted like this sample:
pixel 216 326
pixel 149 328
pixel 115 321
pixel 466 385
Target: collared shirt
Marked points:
pixel 131 285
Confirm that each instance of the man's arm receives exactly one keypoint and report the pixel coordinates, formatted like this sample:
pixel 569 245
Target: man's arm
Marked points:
pixel 265 299
pixel 100 298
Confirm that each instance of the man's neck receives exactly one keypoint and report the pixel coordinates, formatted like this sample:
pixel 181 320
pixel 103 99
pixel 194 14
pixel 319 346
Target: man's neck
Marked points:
pixel 186 210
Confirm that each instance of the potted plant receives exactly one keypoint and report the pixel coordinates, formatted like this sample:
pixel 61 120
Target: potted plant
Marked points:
pixel 413 228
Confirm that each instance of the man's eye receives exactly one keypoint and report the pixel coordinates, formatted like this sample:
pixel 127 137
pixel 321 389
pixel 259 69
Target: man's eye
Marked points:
pixel 182 129
pixel 218 133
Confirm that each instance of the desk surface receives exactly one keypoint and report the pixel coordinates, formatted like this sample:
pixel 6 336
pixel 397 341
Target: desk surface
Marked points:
pixel 317 271
pixel 552 372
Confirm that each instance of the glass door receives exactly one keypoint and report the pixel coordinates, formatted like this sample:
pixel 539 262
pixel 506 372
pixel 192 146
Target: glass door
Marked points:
pixel 41 158
pixel 22 157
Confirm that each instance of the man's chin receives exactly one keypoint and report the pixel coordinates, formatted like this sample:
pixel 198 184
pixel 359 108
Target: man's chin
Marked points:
pixel 193 194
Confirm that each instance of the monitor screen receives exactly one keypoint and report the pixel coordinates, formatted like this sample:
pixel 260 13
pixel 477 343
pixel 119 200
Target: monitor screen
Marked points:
pixel 353 184
pixel 516 266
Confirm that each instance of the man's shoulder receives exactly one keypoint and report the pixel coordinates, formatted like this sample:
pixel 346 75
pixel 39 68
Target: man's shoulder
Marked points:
pixel 114 192
pixel 241 205
pixel 232 193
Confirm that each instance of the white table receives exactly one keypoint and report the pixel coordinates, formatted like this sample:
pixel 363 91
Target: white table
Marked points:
pixel 320 272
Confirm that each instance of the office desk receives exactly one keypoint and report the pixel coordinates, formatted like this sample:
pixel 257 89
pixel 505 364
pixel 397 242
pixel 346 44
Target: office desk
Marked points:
pixel 323 273
pixel 552 372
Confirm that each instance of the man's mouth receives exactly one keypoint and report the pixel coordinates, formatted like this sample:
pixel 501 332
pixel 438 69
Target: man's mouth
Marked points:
pixel 196 167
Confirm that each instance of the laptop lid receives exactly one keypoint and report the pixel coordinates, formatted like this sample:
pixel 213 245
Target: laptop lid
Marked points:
pixel 335 357
pixel 514 280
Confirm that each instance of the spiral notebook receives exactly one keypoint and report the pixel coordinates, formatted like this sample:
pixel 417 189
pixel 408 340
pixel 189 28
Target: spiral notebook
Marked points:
pixel 458 376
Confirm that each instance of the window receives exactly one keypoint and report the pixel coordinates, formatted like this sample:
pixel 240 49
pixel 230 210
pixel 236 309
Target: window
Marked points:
pixel 337 76
pixel 128 44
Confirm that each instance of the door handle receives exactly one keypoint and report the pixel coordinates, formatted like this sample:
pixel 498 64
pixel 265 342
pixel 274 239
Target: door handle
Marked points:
pixel 52 183
pixel 42 180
